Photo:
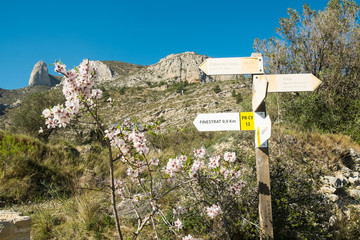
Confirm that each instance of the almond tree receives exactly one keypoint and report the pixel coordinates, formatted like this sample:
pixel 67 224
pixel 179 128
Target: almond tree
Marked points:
pixel 126 143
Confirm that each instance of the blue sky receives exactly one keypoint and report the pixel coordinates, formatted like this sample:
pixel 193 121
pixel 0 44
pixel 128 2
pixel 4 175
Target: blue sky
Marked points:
pixel 140 32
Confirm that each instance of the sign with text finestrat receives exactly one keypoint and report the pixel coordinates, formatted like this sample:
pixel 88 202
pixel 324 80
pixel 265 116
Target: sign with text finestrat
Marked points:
pixel 208 122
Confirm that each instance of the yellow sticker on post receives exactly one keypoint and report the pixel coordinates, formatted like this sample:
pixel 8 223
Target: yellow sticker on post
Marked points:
pixel 247 121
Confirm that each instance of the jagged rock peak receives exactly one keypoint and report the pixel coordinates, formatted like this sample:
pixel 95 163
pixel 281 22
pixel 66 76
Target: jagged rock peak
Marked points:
pixel 105 73
pixel 173 68
pixel 180 67
pixel 40 75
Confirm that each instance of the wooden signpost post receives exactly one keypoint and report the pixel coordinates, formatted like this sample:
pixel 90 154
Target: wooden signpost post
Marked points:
pixel 256 120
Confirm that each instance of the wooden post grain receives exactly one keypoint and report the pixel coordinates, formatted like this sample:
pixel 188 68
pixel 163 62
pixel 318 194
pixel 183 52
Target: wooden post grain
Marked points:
pixel 263 182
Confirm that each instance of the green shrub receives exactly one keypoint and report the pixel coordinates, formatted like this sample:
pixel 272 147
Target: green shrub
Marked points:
pixel 122 91
pixel 217 89
pixel 27 119
pixel 326 44
pixel 238 98
pixel 31 170
pixel 233 93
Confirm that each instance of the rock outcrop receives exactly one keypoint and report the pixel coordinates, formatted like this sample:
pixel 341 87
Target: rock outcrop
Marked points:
pixel 173 68
pixel 343 186
pixel 40 75
pixel 105 73
pixel 14 226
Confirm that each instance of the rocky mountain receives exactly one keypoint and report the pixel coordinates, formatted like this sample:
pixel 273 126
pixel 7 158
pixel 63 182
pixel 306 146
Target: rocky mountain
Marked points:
pixel 183 66
pixel 41 76
pixel 173 68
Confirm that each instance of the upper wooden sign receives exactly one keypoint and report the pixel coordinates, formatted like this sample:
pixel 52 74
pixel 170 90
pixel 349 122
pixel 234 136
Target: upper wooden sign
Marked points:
pixel 237 65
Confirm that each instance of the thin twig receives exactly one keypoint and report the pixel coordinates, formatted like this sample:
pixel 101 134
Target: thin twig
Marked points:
pixel 154 227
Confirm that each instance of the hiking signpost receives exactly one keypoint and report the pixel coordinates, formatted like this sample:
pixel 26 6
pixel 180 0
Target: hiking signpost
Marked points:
pixel 254 121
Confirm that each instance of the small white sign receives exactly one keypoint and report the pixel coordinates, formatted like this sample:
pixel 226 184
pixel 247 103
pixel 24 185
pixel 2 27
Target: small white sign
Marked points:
pixel 208 122
pixel 238 65
pixel 262 129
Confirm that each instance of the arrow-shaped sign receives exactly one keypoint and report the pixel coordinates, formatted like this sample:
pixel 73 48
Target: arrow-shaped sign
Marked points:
pixel 262 129
pixel 260 86
pixel 291 82
pixel 217 122
pixel 238 65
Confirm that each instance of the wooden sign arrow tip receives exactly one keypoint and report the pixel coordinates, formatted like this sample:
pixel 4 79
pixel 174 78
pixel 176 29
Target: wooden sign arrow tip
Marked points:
pixel 315 82
pixel 203 67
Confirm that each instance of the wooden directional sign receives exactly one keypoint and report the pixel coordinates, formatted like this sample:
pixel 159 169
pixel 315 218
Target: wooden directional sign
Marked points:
pixel 262 128
pixel 291 82
pixel 260 86
pixel 238 65
pixel 217 122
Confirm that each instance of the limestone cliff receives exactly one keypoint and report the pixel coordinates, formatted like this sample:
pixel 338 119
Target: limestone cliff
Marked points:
pixel 40 75
pixel 105 73
pixel 173 68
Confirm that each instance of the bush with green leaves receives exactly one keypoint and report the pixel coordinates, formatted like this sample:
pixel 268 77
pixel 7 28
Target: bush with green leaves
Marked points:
pixel 233 93
pixel 31 170
pixel 217 89
pixel 122 91
pixel 326 44
pixel 26 119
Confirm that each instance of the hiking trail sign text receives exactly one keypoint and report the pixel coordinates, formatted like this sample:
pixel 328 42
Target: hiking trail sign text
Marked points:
pixel 290 82
pixel 208 122
pixel 247 121
pixel 237 65
pixel 211 122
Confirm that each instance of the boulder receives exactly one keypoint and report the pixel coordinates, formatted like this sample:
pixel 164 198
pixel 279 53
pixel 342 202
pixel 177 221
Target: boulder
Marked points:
pixel 40 75
pixel 346 172
pixel 14 226
pixel 336 182
pixel 354 180
pixel 333 197
pixel 327 189
pixel 355 193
